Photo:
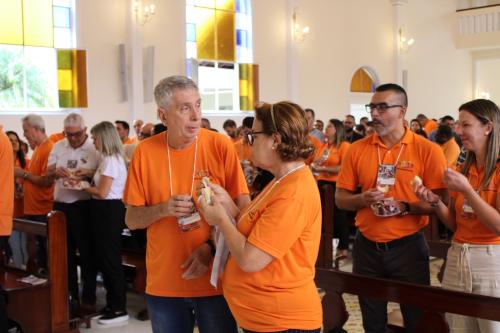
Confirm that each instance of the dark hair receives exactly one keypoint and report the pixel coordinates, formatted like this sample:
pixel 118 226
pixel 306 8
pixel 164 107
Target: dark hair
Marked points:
pixel 421 116
pixel 418 122
pixel 19 154
pixel 447 117
pixel 394 88
pixel 288 120
pixel 352 117
pixel 361 128
pixel 339 131
pixel 124 124
pixel 443 134
pixel 485 111
pixel 363 118
pixel 421 132
pixel 229 123
pixel 247 122
pixel 158 128
pixel 312 112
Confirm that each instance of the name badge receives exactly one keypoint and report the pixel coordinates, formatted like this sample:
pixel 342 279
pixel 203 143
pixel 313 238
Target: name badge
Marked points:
pixel 189 222
pixel 466 208
pixel 386 174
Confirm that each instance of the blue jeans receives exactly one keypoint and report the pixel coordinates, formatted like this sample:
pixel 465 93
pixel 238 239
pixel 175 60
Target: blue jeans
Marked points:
pixel 178 314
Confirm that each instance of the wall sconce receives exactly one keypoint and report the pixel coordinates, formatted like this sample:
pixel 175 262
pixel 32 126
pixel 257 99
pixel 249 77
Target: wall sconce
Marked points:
pixel 143 12
pixel 405 42
pixel 299 32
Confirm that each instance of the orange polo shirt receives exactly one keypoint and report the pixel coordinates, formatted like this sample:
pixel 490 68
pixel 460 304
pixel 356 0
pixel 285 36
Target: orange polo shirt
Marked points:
pixel 128 141
pixel 418 157
pixel 148 183
pixel 56 137
pixel 334 158
pixel 37 199
pixel 317 146
pixel 451 151
pixel 285 222
pixel 6 185
pixel 430 126
pixel 243 150
pixel 469 228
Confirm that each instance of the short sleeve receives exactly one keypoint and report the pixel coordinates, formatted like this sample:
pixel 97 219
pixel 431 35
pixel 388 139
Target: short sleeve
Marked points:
pixel 348 178
pixel 110 167
pixel 53 155
pixel 134 193
pixel 434 168
pixel 236 184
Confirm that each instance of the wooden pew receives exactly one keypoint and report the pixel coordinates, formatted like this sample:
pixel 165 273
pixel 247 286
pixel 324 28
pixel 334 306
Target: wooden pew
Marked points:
pixel 432 300
pixel 325 249
pixel 41 308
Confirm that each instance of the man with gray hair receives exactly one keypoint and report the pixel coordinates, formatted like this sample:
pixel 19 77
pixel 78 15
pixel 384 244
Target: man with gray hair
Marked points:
pixel 38 186
pixel 161 197
pixel 72 160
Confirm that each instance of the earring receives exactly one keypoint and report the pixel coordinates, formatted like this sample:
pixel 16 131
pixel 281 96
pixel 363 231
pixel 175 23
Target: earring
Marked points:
pixel 273 148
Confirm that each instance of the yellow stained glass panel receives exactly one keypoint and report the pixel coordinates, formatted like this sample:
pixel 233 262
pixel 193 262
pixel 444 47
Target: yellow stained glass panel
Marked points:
pixel 65 79
pixel 38 26
pixel 205 3
pixel 225 5
pixel 249 86
pixel 205 33
pixel 226 43
pixel 11 22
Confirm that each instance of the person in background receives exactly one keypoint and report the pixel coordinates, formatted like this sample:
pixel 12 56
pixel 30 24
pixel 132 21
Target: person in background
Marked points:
pixel 38 185
pixel 24 148
pixel 364 121
pixel 444 138
pixel 349 124
pixel 310 116
pixel 123 129
pixel 137 125
pixel 369 128
pixel 160 197
pixel 144 133
pixel 70 161
pixel 56 137
pixel 326 165
pixel 229 127
pixel 428 125
pixel 415 125
pixel 17 240
pixel 158 128
pixel 389 243
pixel 473 212
pixel 107 219
pixel 360 129
pixel 6 210
pixel 319 125
pixel 205 123
pixel 450 121
pixel 269 278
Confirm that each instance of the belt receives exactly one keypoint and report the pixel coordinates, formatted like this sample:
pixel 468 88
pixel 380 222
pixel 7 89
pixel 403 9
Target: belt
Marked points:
pixel 386 246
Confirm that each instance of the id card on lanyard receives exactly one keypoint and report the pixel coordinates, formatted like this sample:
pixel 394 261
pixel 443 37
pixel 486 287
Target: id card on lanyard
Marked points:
pixel 386 173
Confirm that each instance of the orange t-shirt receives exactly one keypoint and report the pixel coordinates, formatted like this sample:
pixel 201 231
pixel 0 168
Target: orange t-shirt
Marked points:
pixel 148 183
pixel 469 228
pixel 451 151
pixel 430 126
pixel 128 141
pixel 243 150
pixel 6 185
pixel 37 199
pixel 418 157
pixel 335 157
pixel 285 222
pixel 317 146
pixel 19 202
pixel 56 137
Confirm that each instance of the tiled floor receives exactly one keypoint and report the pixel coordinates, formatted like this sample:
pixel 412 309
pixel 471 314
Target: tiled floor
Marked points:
pixel 136 303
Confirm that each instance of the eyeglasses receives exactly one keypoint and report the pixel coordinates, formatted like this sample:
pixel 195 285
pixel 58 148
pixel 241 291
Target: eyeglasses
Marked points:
pixel 75 135
pixel 250 136
pixel 381 108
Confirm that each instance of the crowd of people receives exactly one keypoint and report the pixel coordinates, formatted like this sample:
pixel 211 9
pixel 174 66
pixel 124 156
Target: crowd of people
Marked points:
pixel 244 255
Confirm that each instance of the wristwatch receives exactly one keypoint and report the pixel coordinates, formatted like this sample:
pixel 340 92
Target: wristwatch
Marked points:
pixel 406 206
pixel 25 175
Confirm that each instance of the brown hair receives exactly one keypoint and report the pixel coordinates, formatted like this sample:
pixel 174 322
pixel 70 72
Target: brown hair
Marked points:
pixel 289 121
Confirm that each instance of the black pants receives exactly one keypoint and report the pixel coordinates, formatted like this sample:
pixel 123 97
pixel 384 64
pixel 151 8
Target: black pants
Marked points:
pixel 289 331
pixel 340 225
pixel 408 262
pixel 108 221
pixel 79 237
pixel 41 242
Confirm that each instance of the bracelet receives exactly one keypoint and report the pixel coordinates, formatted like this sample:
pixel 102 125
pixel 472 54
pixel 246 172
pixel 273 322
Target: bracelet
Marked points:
pixel 212 247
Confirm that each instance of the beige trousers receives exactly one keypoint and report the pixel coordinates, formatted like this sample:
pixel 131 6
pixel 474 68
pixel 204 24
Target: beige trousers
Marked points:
pixel 474 269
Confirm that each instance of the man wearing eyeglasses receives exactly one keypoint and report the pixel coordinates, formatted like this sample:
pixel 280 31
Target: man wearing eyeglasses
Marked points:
pixel 389 243
pixel 72 162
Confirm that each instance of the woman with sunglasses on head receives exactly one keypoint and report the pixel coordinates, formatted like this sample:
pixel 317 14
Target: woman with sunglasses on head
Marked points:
pixel 269 279
pixel 326 168
pixel 473 261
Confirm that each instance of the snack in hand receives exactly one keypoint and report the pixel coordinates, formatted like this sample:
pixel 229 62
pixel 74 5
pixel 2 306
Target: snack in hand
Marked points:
pixel 206 191
pixel 416 181
pixel 383 188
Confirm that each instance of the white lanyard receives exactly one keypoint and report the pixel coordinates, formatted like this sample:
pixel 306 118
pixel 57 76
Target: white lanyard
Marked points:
pixel 170 166
pixel 397 159
pixel 264 195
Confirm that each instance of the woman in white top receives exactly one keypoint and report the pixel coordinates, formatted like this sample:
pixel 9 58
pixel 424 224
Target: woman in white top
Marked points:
pixel 108 216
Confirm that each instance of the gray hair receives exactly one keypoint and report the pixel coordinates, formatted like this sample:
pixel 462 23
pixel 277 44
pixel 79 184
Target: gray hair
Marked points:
pixel 165 88
pixel 34 120
pixel 74 120
pixel 107 134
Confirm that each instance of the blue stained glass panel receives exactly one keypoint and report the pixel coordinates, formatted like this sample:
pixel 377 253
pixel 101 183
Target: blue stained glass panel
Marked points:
pixel 241 6
pixel 62 17
pixel 191 32
pixel 241 38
